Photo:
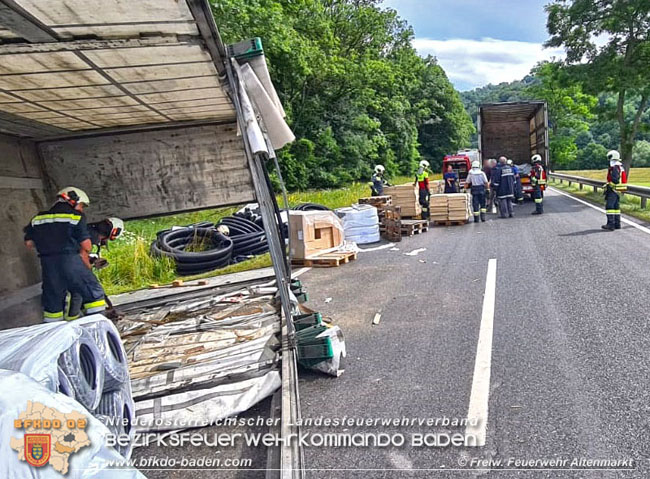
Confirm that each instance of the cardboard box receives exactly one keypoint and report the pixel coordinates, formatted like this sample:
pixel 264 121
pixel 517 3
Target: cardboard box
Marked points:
pixel 314 232
pixel 406 197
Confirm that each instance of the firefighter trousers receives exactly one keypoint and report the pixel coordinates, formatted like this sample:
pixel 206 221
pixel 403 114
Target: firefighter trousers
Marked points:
pixel 478 206
pixel 613 208
pixel 424 202
pixel 538 196
pixel 67 273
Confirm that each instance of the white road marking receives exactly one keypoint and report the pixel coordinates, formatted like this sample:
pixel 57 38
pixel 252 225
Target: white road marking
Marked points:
pixel 376 248
pixel 624 220
pixel 295 274
pixel 479 398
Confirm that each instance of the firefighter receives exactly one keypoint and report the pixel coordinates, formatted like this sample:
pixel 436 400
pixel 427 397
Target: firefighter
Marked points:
pixel 378 182
pixel 616 183
pixel 477 180
pixel 58 235
pixel 538 180
pixel 503 181
pixel 422 180
pixel 101 233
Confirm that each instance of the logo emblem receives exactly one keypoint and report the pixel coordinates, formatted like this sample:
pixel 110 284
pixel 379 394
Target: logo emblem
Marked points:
pixel 37 449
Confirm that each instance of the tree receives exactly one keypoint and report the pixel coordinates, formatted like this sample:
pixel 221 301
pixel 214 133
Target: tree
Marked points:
pixel 569 110
pixel 355 91
pixel 620 66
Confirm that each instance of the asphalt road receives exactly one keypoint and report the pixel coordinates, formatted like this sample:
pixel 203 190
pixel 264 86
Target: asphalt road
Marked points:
pixel 570 366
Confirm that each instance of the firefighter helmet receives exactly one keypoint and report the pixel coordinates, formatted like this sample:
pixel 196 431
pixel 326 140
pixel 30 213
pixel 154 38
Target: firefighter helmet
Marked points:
pixel 380 169
pixel 613 155
pixel 424 164
pixel 74 196
pixel 536 159
pixel 117 228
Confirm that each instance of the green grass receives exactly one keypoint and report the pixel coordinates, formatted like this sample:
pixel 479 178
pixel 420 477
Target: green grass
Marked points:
pixel 630 205
pixel 131 266
pixel 638 176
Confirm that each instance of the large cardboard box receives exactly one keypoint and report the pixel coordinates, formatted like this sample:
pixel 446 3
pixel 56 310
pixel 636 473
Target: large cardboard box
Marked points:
pixel 314 232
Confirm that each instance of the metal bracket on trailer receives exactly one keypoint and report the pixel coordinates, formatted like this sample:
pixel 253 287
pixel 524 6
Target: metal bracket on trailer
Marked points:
pixel 291 454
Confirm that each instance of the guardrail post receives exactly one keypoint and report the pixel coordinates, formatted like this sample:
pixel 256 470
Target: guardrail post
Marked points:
pixel 595 189
pixel 644 202
pixel 580 185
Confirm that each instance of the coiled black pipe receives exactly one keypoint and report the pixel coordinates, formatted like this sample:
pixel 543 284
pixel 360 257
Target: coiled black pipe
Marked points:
pixel 173 244
pixel 311 207
pixel 249 238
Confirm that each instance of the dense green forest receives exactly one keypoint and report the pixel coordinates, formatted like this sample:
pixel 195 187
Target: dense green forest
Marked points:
pixel 355 91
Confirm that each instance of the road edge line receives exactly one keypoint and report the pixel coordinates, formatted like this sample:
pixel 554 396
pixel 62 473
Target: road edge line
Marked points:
pixel 624 220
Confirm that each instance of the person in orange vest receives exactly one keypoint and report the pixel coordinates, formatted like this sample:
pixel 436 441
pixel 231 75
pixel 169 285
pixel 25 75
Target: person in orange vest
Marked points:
pixel 422 180
pixel 616 183
pixel 538 180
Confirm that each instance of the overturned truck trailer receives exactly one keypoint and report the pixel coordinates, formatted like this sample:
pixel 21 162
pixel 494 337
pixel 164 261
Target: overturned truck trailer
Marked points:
pixel 142 106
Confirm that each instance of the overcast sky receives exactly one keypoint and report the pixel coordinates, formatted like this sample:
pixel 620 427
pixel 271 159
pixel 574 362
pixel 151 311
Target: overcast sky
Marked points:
pixel 479 41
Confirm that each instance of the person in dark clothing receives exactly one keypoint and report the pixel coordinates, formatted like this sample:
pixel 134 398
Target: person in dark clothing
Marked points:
pixel 101 233
pixel 451 180
pixel 378 181
pixel 616 183
pixel 477 180
pixel 503 182
pixel 61 238
pixel 519 195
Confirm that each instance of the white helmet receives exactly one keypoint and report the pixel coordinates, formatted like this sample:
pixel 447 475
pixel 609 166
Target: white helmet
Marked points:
pixel 613 155
pixel 424 164
pixel 224 230
pixel 476 164
pixel 379 169
pixel 117 228
pixel 74 196
pixel 509 162
pixel 536 159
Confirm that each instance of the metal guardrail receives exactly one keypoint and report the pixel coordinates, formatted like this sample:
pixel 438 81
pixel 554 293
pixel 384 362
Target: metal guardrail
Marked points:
pixel 640 191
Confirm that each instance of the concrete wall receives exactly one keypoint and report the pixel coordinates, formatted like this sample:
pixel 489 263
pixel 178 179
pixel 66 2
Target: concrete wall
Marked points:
pixel 21 187
pixel 153 173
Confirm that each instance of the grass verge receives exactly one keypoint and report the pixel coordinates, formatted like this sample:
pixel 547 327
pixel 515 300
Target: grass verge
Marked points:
pixel 630 205
pixel 131 266
pixel 638 176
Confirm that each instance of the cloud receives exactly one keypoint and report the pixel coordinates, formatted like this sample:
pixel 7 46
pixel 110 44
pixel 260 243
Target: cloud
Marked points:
pixel 473 63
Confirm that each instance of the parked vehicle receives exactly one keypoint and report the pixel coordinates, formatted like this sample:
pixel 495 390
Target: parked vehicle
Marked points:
pixel 516 130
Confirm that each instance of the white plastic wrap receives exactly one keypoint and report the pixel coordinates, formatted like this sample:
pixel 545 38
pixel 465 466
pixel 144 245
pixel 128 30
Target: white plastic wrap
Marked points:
pixel 113 356
pixel 360 223
pixel 91 461
pixel 82 365
pixel 364 235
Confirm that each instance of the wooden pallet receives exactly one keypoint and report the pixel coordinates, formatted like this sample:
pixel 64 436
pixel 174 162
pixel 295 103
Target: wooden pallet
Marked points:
pixel 414 227
pixel 451 223
pixel 326 260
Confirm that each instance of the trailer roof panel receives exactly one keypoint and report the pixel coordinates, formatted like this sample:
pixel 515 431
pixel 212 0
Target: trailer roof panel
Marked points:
pixel 509 112
pixel 94 64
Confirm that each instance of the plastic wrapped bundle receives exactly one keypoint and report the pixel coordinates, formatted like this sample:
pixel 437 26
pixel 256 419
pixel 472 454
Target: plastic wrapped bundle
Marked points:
pixel 117 411
pixel 113 356
pixel 360 223
pixel 82 365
